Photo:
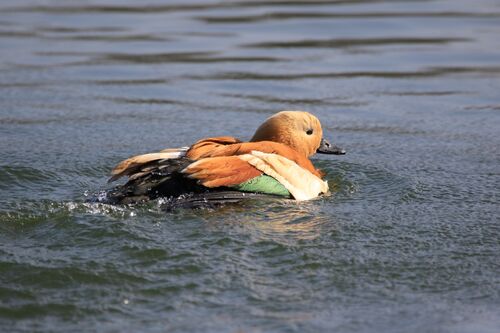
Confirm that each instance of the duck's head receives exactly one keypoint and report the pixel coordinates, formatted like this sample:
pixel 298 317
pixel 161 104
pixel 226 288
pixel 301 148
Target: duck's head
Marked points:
pixel 299 130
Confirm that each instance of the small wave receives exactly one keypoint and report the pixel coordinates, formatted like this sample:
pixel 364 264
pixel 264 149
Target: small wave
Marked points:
pixel 482 107
pixel 145 101
pixel 127 82
pixel 351 181
pixel 421 93
pixel 490 71
pixel 33 212
pixel 156 58
pixel 354 42
pixel 124 9
pixel 372 128
pixel 297 101
pixel 18 34
pixel 280 16
pixel 189 57
pixel 66 29
pixel 24 176
pixel 111 38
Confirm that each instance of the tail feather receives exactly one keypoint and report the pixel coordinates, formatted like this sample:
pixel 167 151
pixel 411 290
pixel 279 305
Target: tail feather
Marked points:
pixel 133 164
pixel 154 179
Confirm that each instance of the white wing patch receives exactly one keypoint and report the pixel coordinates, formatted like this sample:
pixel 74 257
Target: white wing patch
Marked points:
pixel 301 183
pixel 180 150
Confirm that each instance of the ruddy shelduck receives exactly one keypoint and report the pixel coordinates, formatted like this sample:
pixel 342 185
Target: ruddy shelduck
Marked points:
pixel 275 161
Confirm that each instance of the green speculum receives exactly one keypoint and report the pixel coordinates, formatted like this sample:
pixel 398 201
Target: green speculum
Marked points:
pixel 263 184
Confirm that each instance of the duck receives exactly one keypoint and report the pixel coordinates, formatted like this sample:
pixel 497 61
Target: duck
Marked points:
pixel 274 162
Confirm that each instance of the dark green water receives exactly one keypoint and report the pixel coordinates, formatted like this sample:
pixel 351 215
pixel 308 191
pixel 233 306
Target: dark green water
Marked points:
pixel 409 241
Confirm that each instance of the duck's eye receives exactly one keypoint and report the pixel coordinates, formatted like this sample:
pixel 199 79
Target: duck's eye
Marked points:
pixel 309 132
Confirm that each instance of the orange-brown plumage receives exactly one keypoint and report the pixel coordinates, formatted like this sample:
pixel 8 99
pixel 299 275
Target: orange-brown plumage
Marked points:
pixel 205 146
pixel 221 171
pixel 202 150
pixel 280 148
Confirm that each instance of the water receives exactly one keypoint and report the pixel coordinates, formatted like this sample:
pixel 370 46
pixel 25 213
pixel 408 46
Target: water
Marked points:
pixel 407 242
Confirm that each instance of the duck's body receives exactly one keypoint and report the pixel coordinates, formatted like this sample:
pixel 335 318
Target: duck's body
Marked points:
pixel 275 161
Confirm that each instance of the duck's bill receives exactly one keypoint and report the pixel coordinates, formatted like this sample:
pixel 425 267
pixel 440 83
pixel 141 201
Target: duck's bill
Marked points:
pixel 326 147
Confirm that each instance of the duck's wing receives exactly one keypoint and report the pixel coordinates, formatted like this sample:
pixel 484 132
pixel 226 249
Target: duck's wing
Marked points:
pixel 240 171
pixel 207 147
pixel 221 171
pixel 136 164
pixel 270 147
pixel 301 183
pixel 158 174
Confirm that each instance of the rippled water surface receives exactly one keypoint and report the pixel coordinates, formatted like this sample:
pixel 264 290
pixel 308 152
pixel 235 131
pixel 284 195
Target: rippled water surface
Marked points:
pixel 409 240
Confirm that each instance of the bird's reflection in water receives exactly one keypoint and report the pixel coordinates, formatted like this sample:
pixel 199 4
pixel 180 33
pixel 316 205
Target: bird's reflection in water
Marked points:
pixel 281 221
